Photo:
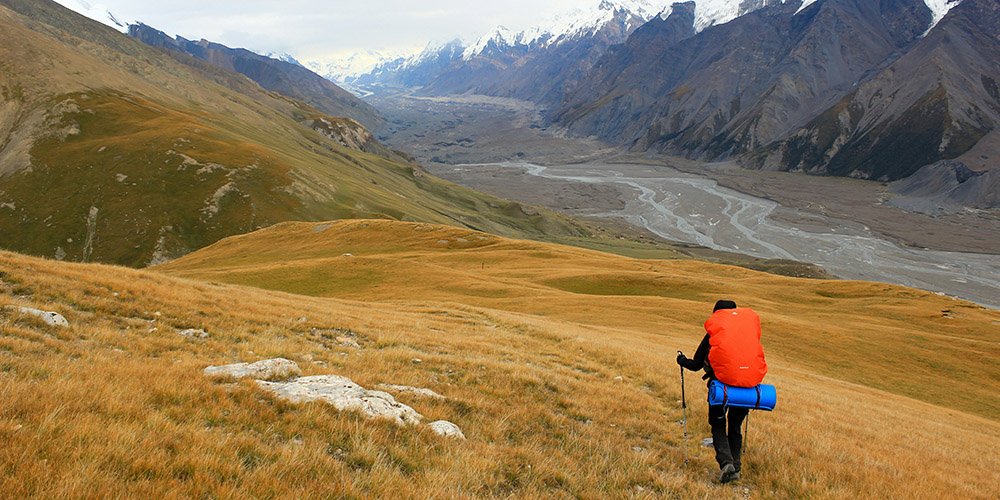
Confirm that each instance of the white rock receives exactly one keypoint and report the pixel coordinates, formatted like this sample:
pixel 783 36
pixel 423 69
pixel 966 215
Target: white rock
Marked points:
pixel 268 369
pixel 194 332
pixel 446 429
pixel 49 317
pixel 417 391
pixel 348 342
pixel 344 394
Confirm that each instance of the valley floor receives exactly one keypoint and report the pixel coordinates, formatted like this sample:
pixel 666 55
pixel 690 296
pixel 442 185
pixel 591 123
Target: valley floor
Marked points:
pixel 443 132
pixel 463 139
pixel 691 208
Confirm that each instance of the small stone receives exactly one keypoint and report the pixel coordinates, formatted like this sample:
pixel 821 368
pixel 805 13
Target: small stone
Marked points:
pixel 446 429
pixel 268 369
pixel 707 442
pixel 348 342
pixel 348 255
pixel 49 317
pixel 194 333
pixel 416 361
pixel 619 378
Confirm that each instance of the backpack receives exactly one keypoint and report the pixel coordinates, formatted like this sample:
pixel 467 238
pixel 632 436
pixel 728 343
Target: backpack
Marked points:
pixel 736 356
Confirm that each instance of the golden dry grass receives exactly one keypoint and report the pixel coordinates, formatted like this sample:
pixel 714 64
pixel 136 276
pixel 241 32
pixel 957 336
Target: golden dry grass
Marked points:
pixel 111 407
pixel 898 339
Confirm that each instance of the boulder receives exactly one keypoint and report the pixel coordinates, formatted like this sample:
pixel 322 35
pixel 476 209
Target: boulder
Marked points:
pixel 268 369
pixel 446 429
pixel 417 391
pixel 343 394
pixel 49 317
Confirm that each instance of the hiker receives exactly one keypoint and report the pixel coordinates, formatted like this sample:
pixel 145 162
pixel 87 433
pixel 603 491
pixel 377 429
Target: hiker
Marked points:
pixel 731 353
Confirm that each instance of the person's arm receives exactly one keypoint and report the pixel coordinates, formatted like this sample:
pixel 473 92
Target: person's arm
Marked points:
pixel 698 362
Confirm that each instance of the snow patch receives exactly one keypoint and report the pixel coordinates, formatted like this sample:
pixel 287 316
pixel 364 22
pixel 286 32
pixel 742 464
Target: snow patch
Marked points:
pixel 805 3
pixel 97 11
pixel 939 9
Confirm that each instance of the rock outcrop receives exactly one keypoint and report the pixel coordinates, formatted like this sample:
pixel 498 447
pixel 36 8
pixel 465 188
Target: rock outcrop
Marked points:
pixel 268 369
pixel 275 376
pixel 344 394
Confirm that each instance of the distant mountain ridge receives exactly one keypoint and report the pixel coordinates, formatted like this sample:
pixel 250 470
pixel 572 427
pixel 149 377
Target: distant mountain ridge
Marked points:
pixel 285 75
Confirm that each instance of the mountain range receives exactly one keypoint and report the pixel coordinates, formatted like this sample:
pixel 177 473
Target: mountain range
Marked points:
pixel 877 90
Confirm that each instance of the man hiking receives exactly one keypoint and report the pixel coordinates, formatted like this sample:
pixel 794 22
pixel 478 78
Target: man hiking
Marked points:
pixel 730 353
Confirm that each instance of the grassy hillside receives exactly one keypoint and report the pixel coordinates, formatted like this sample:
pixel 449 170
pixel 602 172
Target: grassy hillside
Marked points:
pixel 560 394
pixel 900 340
pixel 115 151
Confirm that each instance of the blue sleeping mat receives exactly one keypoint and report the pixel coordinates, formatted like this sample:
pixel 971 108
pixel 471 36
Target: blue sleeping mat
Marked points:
pixel 761 397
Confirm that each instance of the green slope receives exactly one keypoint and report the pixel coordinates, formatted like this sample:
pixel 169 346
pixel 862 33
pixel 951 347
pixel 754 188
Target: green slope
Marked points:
pixel 114 151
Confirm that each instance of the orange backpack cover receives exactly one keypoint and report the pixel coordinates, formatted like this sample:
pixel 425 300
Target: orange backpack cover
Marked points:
pixel 736 356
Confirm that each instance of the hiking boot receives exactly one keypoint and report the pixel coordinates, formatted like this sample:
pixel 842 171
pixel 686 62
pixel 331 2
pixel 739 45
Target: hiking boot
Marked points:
pixel 729 474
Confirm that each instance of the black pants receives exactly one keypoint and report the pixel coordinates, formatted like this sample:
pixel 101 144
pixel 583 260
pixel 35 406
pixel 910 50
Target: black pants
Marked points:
pixel 727 445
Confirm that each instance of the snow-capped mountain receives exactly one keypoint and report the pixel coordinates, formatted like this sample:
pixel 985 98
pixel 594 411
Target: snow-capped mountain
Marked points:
pixel 348 68
pixel 573 25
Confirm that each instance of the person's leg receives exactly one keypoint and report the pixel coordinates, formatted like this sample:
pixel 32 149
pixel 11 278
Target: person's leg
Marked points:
pixel 720 441
pixel 736 417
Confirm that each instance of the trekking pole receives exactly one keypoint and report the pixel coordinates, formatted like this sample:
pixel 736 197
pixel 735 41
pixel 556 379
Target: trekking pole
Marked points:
pixel 684 410
pixel 746 429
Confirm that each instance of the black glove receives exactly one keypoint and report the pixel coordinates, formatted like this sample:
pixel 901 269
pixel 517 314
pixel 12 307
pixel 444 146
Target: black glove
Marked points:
pixel 681 358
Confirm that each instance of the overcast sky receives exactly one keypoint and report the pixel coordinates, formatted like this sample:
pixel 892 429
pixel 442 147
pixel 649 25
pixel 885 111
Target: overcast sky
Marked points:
pixel 315 30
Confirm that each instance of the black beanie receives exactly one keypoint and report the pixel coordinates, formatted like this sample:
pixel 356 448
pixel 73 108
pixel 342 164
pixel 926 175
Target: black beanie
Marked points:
pixel 724 304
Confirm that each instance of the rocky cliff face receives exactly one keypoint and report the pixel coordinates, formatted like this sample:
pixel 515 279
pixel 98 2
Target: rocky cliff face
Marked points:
pixel 283 77
pixel 937 101
pixel 841 87
pixel 735 87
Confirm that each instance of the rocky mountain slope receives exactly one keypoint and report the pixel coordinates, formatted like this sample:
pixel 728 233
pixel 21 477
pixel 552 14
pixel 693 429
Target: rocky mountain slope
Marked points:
pixel 936 102
pixel 284 77
pixel 874 90
pixel 115 151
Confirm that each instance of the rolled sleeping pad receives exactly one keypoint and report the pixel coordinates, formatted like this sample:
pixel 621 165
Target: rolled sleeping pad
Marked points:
pixel 761 397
